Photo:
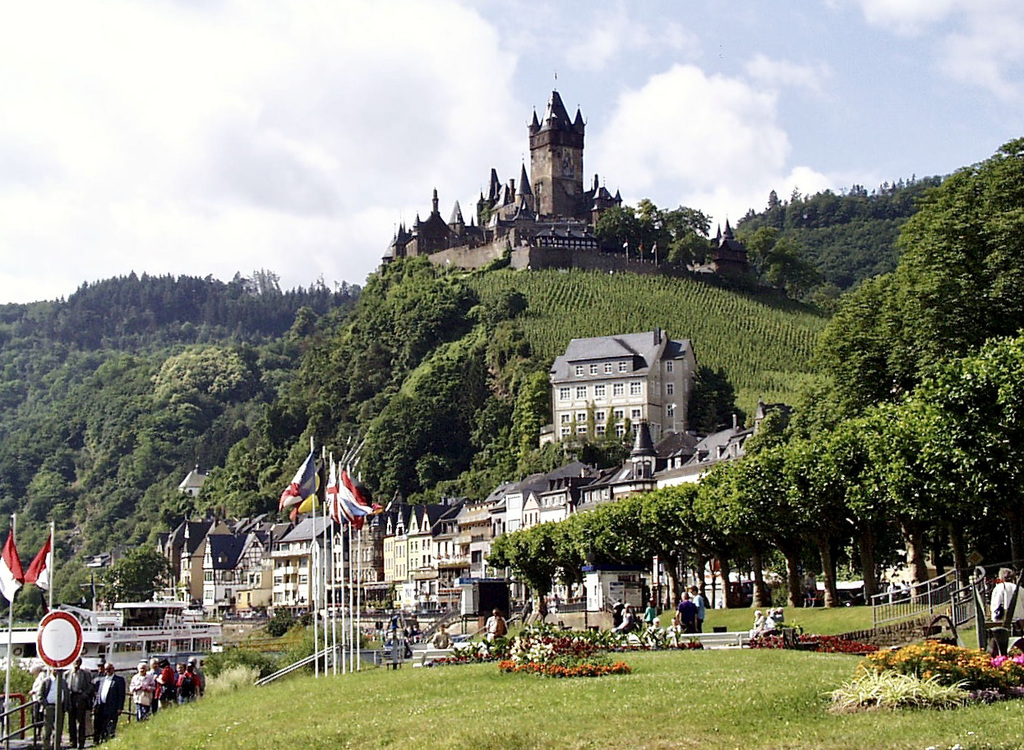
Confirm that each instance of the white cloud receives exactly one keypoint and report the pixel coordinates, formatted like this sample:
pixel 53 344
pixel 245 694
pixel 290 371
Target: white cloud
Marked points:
pixel 977 42
pixel 214 139
pixel 709 142
pixel 907 17
pixel 613 34
pixel 779 73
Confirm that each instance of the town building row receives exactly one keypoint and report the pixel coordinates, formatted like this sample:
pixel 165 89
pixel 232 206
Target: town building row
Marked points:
pixel 416 556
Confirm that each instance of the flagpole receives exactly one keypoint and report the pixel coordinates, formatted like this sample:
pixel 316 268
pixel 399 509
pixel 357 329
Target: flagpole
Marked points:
pixel 344 620
pixel 312 579
pixel 326 602
pixel 53 557
pixel 359 596
pixel 351 608
pixel 10 636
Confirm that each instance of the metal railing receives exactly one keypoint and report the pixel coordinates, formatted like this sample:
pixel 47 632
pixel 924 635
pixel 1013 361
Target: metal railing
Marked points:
pixel 332 652
pixel 16 729
pixel 948 594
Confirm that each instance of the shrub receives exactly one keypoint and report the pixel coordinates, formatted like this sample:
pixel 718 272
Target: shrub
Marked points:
pixel 263 664
pixel 894 690
pixel 280 623
pixel 232 679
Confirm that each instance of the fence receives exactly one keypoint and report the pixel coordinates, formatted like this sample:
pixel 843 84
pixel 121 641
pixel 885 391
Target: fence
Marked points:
pixel 949 594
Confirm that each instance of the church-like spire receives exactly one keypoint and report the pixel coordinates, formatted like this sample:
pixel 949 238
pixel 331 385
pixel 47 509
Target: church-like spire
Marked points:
pixel 524 182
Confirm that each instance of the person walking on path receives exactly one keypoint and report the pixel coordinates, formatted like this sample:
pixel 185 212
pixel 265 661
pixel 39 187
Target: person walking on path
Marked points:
pixel 496 627
pixel 702 607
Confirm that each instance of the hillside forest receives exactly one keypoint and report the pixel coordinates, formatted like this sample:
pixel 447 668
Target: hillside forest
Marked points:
pixel 109 397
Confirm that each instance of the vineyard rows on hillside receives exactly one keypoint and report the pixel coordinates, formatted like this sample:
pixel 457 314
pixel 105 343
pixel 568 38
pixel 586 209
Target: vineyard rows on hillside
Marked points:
pixel 764 349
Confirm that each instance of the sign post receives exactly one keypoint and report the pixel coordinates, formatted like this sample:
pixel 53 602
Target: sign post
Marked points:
pixel 59 643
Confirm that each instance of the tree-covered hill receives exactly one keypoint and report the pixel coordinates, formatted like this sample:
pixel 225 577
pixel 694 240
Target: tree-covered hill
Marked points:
pixel 108 397
pixel 845 238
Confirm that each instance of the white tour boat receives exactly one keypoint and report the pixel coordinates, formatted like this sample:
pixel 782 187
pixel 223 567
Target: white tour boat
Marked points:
pixel 127 634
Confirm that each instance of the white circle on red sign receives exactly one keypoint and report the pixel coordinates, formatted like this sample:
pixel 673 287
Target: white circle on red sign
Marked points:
pixel 59 639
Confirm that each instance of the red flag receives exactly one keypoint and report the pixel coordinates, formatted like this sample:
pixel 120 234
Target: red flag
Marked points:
pixel 11 575
pixel 39 571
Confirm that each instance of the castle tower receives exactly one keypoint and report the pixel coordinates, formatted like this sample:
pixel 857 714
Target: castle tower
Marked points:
pixel 556 161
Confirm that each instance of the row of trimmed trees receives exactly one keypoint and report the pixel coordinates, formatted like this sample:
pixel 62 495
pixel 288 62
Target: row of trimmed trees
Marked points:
pixel 941 470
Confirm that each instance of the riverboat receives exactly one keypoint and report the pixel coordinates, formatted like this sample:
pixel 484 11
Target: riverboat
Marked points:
pixel 127 634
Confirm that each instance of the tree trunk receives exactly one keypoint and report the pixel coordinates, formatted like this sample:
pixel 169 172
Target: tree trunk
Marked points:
pixel 760 590
pixel 866 541
pixel 956 543
pixel 1013 524
pixel 723 571
pixel 828 567
pixel 794 585
pixel 914 536
pixel 674 593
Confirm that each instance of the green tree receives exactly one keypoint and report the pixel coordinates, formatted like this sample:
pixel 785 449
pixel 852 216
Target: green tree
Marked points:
pixel 135 576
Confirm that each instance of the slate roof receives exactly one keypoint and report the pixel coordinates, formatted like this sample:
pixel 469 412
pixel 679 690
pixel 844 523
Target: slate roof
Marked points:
pixel 643 349
pixel 225 550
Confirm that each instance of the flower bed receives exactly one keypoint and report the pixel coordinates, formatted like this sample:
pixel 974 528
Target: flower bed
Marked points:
pixel 971 674
pixel 583 669
pixel 826 644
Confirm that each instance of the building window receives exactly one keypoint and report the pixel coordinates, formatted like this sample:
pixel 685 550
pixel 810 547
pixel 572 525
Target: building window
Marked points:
pixel 566 430
pixel 620 414
pixel 618 389
pixel 599 391
pixel 581 416
pixel 620 430
pixel 579 371
pixel 581 429
pixel 581 392
pixel 566 418
pixel 670 388
pixel 635 388
pixel 608 368
pixel 593 369
pixel 634 414
pixel 599 416
pixel 622 366
pixel 563 394
pixel 670 410
pixel 668 366
pixel 600 430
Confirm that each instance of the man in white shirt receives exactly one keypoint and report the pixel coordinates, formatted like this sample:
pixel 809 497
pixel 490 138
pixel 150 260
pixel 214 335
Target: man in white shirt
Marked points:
pixel 1002 594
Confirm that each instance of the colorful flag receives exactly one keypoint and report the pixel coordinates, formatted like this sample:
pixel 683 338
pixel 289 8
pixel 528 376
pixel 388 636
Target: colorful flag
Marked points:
pixel 348 507
pixel 11 575
pixel 304 485
pixel 358 493
pixel 39 570
pixel 331 494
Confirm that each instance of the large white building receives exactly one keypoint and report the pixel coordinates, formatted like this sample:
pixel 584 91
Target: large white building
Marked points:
pixel 606 384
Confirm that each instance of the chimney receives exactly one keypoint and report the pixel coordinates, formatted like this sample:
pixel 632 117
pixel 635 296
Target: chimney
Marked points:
pixel 734 422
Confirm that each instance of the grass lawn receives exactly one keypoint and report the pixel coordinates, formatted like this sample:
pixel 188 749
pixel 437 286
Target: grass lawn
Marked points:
pixel 691 699
pixel 817 620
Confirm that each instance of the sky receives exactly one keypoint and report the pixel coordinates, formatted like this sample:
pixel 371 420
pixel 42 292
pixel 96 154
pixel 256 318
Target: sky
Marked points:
pixel 215 137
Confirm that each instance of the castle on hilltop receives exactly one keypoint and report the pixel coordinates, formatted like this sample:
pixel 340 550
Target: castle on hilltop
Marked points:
pixel 545 221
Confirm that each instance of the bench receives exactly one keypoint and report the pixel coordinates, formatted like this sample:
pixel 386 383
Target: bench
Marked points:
pixel 430 654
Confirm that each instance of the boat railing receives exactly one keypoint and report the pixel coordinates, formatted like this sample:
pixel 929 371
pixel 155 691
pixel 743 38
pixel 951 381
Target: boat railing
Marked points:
pixel 13 718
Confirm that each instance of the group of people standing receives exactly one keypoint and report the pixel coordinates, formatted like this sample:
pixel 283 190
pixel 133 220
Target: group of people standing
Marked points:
pixel 689 614
pixel 105 695
pixel 157 684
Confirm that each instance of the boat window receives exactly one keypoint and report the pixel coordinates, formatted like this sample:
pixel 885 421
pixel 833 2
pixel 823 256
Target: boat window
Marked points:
pixel 125 647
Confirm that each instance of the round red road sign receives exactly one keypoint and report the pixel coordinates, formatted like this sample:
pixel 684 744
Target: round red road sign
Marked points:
pixel 59 639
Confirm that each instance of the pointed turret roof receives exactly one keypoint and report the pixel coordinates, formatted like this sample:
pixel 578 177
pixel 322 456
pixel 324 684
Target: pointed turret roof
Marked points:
pixel 456 215
pixel 524 182
pixel 642 445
